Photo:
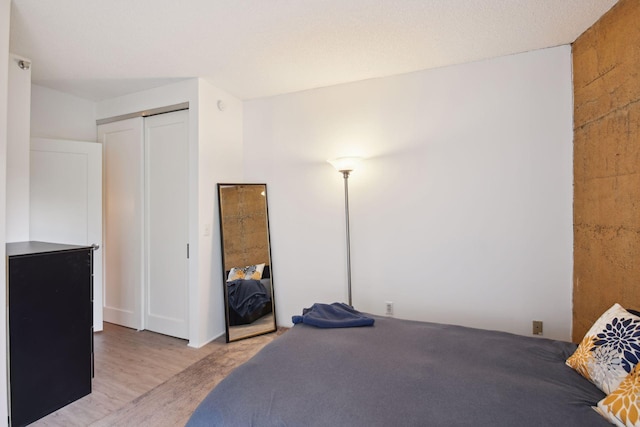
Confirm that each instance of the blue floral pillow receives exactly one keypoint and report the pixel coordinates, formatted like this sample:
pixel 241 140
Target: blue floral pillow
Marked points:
pixel 610 350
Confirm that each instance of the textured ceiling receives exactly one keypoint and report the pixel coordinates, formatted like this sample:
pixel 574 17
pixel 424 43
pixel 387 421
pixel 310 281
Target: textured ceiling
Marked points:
pixel 98 49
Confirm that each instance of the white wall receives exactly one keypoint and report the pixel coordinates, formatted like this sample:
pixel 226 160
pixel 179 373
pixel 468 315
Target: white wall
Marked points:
pixel 461 214
pixel 5 7
pixel 19 93
pixel 176 93
pixel 220 160
pixel 57 115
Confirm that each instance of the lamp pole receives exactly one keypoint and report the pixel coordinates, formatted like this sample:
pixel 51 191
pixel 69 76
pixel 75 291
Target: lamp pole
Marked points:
pixel 346 165
pixel 345 174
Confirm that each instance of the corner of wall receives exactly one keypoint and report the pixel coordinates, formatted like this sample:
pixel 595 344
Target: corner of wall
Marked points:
pixel 5 13
pixel 219 154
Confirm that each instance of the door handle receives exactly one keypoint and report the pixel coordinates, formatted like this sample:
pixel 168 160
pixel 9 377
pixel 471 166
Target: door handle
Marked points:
pixel 95 246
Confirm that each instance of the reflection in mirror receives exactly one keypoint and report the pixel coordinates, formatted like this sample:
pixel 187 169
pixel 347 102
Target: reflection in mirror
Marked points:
pixel 246 260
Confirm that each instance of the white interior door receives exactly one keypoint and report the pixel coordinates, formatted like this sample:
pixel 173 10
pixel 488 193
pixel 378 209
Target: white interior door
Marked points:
pixel 66 200
pixel 123 166
pixel 166 219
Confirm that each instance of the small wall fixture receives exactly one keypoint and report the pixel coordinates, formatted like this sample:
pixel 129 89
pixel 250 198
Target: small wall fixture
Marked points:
pixel 346 165
pixel 24 64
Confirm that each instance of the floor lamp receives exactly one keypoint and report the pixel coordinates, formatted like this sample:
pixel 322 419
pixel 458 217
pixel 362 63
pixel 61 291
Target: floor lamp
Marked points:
pixel 346 165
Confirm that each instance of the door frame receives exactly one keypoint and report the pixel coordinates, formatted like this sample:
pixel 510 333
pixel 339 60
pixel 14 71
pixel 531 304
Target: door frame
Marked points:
pixel 137 319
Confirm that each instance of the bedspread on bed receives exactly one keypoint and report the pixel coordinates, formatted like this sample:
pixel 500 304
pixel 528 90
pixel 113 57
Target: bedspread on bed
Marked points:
pixel 401 373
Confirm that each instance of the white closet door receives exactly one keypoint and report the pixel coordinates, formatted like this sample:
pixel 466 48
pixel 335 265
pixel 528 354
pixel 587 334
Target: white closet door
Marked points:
pixel 66 200
pixel 166 202
pixel 123 221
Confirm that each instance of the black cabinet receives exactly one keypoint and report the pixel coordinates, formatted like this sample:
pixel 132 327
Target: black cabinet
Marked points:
pixel 50 321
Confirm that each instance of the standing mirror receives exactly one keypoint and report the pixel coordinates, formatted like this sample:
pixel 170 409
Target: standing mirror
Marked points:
pixel 246 260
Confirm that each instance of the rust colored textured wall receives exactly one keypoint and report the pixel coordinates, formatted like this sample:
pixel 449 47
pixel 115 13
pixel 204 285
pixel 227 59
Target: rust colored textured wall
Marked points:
pixel 606 60
pixel 244 219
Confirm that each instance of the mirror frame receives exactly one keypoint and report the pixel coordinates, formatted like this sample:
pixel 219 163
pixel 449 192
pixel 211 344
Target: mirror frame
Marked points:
pixel 223 257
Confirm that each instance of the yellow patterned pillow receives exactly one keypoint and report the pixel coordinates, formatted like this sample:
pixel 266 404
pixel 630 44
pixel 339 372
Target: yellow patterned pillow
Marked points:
pixel 246 273
pixel 610 350
pixel 622 406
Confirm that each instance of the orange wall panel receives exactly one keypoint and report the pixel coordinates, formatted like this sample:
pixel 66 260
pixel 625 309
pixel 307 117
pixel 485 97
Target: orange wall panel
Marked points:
pixel 606 60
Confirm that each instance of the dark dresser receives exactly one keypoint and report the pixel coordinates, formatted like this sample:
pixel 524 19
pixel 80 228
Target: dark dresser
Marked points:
pixel 49 328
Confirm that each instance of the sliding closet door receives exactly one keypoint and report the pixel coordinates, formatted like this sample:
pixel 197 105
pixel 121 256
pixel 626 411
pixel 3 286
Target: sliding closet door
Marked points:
pixel 123 168
pixel 166 219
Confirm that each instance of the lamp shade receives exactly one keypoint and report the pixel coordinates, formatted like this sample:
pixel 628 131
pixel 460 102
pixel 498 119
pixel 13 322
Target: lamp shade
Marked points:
pixel 345 164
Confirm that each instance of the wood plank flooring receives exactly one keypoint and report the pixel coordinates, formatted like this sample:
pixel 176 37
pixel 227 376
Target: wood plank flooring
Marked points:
pixel 172 402
pixel 128 364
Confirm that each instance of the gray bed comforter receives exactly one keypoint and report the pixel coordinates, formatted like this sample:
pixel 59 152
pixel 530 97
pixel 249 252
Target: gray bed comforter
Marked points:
pixel 403 373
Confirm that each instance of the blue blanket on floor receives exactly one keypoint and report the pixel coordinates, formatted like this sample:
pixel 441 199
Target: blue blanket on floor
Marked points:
pixel 336 315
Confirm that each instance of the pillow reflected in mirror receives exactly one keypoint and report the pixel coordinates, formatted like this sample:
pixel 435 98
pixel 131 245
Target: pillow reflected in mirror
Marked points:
pixel 246 273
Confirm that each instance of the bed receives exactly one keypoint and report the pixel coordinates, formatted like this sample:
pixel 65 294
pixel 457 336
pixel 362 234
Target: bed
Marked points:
pixel 400 372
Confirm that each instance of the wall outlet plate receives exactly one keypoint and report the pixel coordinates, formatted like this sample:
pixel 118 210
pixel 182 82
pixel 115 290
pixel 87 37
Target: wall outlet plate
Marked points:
pixel 389 310
pixel 537 327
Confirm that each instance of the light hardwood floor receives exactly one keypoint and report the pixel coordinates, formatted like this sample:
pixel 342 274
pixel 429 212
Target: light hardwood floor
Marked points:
pixel 128 364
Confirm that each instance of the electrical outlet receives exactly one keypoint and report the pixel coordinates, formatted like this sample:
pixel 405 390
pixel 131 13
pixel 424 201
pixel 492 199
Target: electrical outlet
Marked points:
pixel 537 327
pixel 389 308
